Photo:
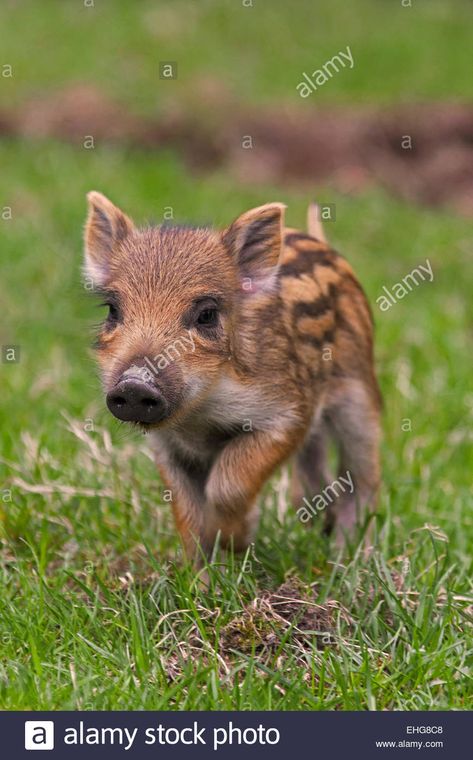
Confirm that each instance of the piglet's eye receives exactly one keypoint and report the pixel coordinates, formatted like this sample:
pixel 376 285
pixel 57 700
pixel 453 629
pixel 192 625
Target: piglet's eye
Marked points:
pixel 113 312
pixel 208 317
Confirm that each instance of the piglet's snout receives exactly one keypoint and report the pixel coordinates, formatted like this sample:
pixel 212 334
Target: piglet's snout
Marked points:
pixel 133 400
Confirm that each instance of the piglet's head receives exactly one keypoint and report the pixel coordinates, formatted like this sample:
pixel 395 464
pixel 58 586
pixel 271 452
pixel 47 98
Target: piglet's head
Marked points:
pixel 175 298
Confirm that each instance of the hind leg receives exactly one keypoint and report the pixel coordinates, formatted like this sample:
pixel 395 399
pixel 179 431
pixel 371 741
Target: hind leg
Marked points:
pixel 310 470
pixel 355 422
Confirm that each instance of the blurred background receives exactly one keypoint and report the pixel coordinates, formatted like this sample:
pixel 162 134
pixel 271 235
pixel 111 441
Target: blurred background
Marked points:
pixel 189 111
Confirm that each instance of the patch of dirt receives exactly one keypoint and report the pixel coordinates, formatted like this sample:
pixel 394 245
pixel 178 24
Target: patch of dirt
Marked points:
pixel 75 114
pixel 273 625
pixel 289 614
pixel 421 152
pixel 81 112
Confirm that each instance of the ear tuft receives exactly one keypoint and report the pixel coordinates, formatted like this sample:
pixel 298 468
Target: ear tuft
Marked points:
pixel 106 227
pixel 255 239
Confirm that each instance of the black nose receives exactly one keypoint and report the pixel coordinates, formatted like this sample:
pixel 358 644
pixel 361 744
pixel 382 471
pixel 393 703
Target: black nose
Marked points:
pixel 133 400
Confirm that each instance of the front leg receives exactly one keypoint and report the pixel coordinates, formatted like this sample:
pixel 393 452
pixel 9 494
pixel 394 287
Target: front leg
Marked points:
pixel 186 483
pixel 234 482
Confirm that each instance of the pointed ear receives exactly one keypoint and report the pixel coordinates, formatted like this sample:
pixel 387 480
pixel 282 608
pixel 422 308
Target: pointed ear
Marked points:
pixel 255 239
pixel 105 228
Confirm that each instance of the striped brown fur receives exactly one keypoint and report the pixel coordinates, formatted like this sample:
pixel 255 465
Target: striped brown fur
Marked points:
pixel 286 364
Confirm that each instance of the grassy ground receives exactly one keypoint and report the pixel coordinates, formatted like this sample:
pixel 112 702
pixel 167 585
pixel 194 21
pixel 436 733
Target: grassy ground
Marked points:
pixel 258 52
pixel 96 609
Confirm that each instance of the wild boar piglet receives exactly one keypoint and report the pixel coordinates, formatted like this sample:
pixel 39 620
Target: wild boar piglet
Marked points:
pixel 237 350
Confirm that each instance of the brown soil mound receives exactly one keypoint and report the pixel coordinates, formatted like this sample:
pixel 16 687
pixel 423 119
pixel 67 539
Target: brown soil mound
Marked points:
pixel 287 615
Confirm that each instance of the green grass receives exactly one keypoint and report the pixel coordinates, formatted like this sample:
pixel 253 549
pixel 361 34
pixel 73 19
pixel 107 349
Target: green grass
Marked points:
pixel 258 53
pixel 97 610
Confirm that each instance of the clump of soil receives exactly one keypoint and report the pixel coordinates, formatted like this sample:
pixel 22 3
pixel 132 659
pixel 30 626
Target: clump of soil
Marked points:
pixel 289 614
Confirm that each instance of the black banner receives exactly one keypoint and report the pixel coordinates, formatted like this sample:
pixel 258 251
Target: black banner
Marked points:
pixel 236 734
